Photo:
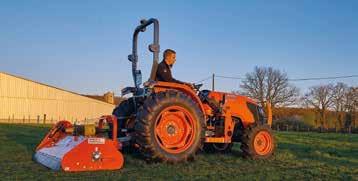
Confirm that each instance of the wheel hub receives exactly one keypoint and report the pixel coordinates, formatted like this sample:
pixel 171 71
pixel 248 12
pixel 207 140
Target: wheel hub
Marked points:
pixel 174 129
pixel 171 130
pixel 263 143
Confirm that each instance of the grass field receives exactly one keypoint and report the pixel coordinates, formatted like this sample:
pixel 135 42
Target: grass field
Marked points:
pixel 300 156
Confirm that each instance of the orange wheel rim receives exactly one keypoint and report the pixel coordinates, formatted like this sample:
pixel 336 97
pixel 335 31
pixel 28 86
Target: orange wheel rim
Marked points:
pixel 263 143
pixel 175 129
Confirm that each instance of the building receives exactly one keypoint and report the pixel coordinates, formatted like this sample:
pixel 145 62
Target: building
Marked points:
pixel 107 97
pixel 27 101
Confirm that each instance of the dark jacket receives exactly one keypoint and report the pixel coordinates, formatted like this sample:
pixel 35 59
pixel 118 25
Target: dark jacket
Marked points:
pixel 165 74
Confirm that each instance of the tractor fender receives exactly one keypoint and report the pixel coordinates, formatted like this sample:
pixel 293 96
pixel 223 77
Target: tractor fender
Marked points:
pixel 160 86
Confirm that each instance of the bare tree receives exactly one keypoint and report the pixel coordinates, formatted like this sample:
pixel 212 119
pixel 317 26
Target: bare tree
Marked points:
pixel 339 94
pixel 268 84
pixel 351 106
pixel 320 97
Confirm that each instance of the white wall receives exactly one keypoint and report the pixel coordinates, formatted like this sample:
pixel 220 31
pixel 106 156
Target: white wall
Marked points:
pixel 25 100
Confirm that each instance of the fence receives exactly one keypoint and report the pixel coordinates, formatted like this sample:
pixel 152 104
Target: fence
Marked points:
pixel 277 127
pixel 298 128
pixel 39 119
pixel 28 120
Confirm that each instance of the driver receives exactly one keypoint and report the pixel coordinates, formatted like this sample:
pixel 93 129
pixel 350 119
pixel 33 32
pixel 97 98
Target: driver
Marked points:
pixel 164 72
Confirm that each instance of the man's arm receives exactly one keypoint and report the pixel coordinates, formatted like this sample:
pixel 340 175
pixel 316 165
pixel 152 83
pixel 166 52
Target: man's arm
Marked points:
pixel 166 76
pixel 163 74
pixel 177 81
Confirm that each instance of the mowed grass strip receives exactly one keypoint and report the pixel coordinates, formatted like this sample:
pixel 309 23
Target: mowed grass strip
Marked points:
pixel 300 156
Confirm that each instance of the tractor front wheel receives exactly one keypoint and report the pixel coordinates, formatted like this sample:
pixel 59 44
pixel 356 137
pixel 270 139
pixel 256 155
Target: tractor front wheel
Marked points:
pixel 169 127
pixel 258 142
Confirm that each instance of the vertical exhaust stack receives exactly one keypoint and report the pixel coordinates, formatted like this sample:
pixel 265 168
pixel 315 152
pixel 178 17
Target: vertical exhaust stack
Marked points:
pixel 269 113
pixel 76 148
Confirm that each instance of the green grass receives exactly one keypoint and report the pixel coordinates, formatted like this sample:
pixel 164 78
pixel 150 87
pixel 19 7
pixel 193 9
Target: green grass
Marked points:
pixel 300 156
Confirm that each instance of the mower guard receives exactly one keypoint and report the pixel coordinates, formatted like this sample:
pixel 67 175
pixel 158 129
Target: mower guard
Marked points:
pixel 61 150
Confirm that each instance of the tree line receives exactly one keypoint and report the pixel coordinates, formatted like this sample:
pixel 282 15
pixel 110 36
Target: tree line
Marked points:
pixel 269 84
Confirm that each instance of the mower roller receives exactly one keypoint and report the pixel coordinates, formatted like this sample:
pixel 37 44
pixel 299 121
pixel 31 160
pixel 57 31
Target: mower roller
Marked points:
pixel 80 147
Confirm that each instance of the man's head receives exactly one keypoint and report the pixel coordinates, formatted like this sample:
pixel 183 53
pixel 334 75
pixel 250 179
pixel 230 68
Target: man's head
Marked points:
pixel 169 56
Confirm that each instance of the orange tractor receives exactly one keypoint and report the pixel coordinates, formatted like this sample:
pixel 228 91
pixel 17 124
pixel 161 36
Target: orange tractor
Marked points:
pixel 170 122
pixel 167 122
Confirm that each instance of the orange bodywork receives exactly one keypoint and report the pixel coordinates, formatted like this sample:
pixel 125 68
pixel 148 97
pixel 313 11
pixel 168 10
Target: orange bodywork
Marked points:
pixel 233 106
pixel 54 135
pixel 82 157
pixel 237 105
pixel 228 130
pixel 269 113
pixel 164 86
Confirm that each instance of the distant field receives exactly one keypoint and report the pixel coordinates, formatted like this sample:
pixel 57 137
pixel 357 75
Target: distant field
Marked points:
pixel 300 156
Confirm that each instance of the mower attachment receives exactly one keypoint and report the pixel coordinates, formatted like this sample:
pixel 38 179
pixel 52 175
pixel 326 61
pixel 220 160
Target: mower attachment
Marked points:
pixel 80 147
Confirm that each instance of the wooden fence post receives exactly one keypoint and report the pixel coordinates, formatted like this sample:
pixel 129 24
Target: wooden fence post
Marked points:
pixel 286 127
pixel 38 119
pixel 44 119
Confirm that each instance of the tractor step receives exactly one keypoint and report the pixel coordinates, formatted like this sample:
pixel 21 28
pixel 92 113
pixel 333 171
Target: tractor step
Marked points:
pixel 124 139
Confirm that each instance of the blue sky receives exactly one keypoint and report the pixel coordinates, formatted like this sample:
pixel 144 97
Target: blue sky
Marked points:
pixel 83 45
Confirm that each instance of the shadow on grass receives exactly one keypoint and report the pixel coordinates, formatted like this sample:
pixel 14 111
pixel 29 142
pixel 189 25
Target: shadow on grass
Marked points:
pixel 134 156
pixel 234 152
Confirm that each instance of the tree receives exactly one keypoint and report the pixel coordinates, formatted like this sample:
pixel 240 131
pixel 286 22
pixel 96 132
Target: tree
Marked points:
pixel 351 106
pixel 320 97
pixel 339 94
pixel 268 84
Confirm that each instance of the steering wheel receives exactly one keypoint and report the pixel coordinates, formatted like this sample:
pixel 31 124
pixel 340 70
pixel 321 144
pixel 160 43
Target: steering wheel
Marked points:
pixel 197 86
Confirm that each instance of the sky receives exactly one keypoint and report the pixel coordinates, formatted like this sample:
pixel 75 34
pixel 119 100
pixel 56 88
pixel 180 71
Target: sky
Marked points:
pixel 83 46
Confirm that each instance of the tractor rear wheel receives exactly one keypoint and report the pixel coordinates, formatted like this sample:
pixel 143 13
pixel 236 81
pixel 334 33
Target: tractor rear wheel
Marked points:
pixel 170 127
pixel 258 142
pixel 123 112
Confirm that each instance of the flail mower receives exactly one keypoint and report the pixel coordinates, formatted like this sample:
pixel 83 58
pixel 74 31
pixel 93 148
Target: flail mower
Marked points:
pixel 166 122
pixel 81 147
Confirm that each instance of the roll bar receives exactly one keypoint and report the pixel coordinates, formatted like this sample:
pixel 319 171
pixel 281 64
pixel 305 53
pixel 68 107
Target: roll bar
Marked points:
pixel 154 48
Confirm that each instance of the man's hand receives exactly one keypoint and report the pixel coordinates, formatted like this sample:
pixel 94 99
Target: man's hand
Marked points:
pixel 189 84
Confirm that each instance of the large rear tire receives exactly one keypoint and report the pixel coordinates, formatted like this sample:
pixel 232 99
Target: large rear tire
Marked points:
pixel 123 113
pixel 170 127
pixel 258 142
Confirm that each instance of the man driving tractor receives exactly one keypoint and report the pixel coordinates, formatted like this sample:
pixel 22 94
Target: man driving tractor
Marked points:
pixel 164 72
